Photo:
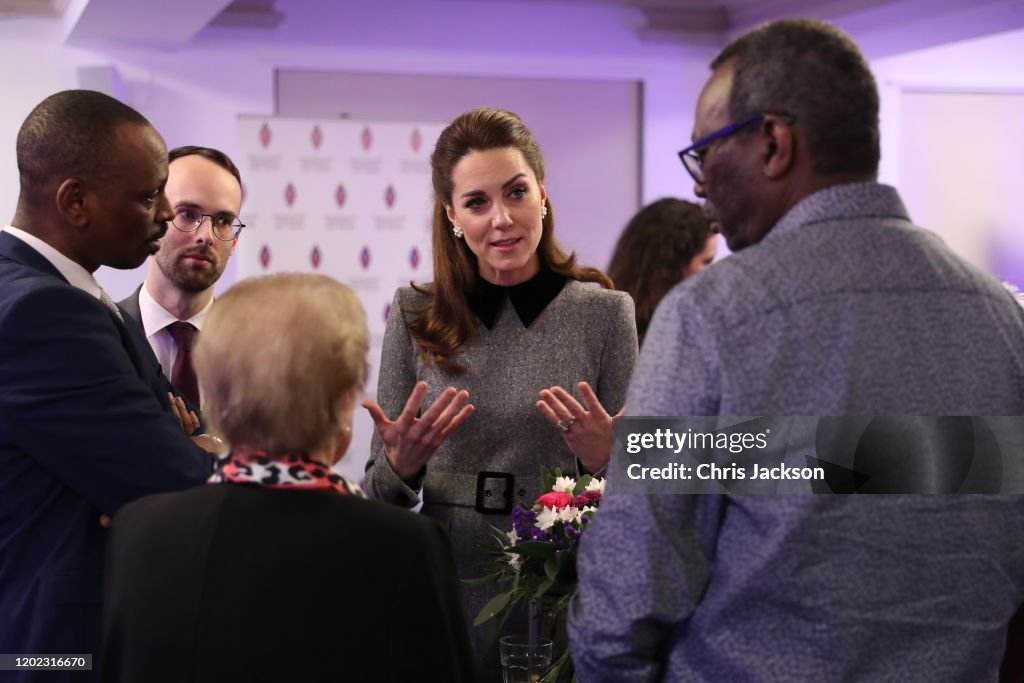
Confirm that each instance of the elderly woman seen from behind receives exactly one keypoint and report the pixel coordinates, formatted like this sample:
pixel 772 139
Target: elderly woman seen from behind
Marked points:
pixel 664 243
pixel 279 569
pixel 511 323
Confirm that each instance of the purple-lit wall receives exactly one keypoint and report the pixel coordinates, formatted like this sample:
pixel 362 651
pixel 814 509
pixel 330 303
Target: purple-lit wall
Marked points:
pixel 193 95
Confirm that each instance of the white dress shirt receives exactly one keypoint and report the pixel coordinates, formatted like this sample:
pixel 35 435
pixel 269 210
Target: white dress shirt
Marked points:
pixel 73 272
pixel 155 319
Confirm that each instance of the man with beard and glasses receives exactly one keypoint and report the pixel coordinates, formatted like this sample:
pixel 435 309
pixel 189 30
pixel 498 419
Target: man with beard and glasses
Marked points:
pixel 85 421
pixel 204 188
pixel 833 304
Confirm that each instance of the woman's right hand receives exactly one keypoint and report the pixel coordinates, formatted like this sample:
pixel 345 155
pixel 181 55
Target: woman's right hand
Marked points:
pixel 410 441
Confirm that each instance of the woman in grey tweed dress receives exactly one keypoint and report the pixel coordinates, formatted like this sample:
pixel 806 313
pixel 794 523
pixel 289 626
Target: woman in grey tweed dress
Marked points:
pixel 510 323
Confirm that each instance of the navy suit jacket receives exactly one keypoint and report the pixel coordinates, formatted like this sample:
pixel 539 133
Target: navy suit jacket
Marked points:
pixel 85 427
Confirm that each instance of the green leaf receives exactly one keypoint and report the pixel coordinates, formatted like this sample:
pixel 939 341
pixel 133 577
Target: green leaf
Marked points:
pixel 581 484
pixel 551 568
pixel 492 608
pixel 491 630
pixel 534 549
pixel 562 671
pixel 496 577
pixel 542 589
pixel 547 478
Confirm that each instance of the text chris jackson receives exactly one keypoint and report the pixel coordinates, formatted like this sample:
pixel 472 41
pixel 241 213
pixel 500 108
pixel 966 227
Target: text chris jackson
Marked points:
pixel 713 472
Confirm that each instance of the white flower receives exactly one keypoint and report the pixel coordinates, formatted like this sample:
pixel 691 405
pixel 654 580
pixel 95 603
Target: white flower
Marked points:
pixel 565 484
pixel 588 510
pixel 569 514
pixel 545 518
pixel 513 537
pixel 514 561
pixel 596 484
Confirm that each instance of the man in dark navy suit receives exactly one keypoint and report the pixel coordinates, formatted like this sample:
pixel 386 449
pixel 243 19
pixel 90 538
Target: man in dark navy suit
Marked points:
pixel 85 421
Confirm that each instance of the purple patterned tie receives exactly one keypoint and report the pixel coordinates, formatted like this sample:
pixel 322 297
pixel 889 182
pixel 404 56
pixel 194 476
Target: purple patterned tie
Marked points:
pixel 183 374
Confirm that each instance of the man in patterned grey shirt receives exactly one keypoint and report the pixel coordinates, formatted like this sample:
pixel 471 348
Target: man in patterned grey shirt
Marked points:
pixel 833 304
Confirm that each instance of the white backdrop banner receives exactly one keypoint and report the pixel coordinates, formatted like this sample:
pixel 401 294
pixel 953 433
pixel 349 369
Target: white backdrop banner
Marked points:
pixel 349 199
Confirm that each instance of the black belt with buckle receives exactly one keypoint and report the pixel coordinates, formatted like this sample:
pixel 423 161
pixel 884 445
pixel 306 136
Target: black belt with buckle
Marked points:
pixel 494 498
pixel 486 492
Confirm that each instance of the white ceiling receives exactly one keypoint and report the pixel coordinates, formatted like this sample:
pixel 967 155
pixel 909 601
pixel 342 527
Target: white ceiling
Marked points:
pixel 700 22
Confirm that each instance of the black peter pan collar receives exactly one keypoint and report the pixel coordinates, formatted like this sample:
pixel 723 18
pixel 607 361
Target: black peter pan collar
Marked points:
pixel 529 298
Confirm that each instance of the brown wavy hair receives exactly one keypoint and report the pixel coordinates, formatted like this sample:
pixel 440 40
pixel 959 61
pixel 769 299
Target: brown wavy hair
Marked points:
pixel 652 251
pixel 447 324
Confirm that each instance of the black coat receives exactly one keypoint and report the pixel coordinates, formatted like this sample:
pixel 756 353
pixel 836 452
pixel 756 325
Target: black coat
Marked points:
pixel 233 582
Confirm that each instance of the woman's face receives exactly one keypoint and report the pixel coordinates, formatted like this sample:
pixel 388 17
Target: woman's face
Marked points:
pixel 497 200
pixel 703 259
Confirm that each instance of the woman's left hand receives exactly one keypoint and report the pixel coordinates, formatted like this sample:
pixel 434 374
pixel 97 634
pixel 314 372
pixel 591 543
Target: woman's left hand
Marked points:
pixel 587 428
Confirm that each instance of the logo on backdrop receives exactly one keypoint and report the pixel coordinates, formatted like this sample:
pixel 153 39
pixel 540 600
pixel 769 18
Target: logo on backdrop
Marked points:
pixel 289 195
pixel 265 135
pixel 414 258
pixel 364 258
pixel 314 257
pixel 316 137
pixel 366 139
pixel 265 257
pixel 387 312
pixel 417 140
pixel 389 196
pixel 340 196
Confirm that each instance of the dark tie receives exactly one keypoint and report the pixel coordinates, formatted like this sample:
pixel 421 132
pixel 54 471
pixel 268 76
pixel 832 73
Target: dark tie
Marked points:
pixel 183 374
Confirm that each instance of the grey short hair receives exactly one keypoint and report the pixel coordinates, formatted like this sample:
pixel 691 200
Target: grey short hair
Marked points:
pixel 814 72
pixel 277 356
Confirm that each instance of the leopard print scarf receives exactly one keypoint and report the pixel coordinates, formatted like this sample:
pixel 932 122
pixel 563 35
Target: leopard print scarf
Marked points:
pixel 284 472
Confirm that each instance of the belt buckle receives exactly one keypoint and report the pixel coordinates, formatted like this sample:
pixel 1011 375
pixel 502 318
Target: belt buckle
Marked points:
pixel 483 493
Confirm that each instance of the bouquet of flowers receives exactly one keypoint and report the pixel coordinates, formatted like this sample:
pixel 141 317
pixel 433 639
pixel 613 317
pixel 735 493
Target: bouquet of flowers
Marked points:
pixel 536 560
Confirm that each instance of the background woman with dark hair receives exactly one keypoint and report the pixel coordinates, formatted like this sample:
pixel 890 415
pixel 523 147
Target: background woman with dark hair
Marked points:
pixel 664 243
pixel 510 319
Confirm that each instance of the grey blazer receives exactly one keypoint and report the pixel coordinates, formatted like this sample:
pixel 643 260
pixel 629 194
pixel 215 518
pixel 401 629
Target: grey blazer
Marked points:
pixel 131 305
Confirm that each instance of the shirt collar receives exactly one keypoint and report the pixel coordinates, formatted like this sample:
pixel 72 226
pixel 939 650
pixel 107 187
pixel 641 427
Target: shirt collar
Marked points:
pixel 849 200
pixel 155 317
pixel 74 273
pixel 529 299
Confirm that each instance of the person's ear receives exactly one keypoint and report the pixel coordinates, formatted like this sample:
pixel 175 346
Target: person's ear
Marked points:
pixel 343 437
pixel 450 210
pixel 73 203
pixel 779 147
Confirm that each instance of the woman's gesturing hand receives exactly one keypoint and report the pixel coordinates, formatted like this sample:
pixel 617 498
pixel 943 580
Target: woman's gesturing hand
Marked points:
pixel 410 441
pixel 587 428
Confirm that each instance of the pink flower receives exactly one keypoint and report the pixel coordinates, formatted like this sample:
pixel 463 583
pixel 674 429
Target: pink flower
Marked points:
pixel 556 500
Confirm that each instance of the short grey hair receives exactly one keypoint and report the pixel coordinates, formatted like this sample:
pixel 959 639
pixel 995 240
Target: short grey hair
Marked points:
pixel 277 356
pixel 814 72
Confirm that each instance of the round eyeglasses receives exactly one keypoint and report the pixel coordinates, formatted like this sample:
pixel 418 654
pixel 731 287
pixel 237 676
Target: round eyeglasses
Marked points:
pixel 189 219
